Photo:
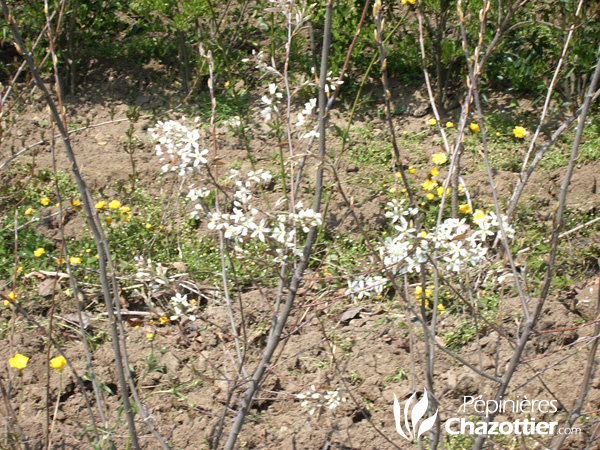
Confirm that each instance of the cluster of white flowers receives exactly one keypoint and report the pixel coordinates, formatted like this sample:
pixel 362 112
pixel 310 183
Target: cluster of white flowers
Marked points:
pixel 458 245
pixel 151 273
pixel 301 122
pixel 240 221
pixel 366 286
pixel 271 102
pixel 233 123
pixel 183 308
pixel 245 221
pixel 313 400
pixel 182 148
pixel 332 83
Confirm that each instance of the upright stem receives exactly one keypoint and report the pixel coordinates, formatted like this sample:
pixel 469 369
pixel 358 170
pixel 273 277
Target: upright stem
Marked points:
pixel 92 220
pixel 280 321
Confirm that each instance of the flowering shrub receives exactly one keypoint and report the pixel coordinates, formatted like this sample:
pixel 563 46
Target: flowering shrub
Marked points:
pixel 179 146
pixel 244 221
pixel 458 244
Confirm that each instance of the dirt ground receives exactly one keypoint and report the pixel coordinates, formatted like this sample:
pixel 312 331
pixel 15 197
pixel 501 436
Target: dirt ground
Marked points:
pixel 184 374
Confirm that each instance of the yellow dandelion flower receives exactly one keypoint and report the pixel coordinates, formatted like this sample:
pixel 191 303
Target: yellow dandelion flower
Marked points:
pixel 45 201
pixel 75 260
pixel 428 185
pixel 434 172
pixel 12 295
pixel 76 202
pixel 461 189
pixel 115 204
pixel 29 211
pixel 125 210
pixel 478 215
pixel 449 125
pixel 439 158
pixel 164 320
pixel 126 217
pixel 475 128
pixel 59 260
pixel 465 209
pixel 148 226
pixel 108 220
pixel 150 336
pixel 418 291
pixel 428 293
pixel 432 121
pixel 58 363
pixel 412 170
pixel 18 361
pixel 6 302
pixel 38 252
pixel 520 132
pixel 441 307
pixel 100 205
pixel 430 196
pixel 423 233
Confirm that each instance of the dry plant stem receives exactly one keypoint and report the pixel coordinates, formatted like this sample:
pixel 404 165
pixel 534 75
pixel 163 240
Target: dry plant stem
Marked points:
pixel 10 413
pixel 524 177
pixel 566 233
pixel 334 94
pixel 241 354
pixel 549 94
pixel 63 250
pixel 61 352
pixel 224 277
pixel 453 154
pixel 473 81
pixel 58 119
pixel 531 320
pixel 279 321
pixel 119 323
pixel 387 95
pixel 340 373
pixel 288 127
pixel 60 387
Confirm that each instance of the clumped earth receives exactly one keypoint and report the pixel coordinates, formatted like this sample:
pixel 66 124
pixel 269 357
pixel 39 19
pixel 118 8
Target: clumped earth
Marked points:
pixel 366 350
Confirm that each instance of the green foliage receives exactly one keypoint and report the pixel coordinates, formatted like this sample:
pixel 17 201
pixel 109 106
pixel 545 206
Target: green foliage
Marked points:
pixel 455 339
pixel 399 376
pixel 369 149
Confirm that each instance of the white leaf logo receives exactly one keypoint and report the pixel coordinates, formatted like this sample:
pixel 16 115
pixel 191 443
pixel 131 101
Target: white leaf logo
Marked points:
pixel 417 413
